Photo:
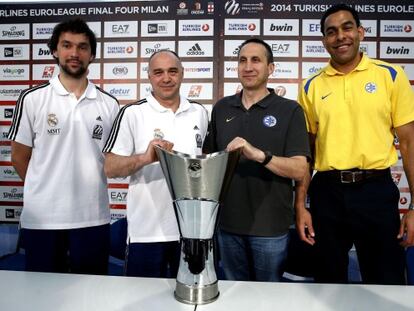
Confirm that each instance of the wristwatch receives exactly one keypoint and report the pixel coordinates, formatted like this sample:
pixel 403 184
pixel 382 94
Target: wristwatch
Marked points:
pixel 411 207
pixel 268 157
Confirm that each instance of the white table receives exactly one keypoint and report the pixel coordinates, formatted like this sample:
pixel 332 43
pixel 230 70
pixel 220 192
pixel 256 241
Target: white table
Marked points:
pixel 33 291
pixel 59 292
pixel 258 296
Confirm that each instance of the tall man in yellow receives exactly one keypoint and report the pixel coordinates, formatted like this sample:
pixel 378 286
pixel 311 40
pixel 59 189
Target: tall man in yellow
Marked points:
pixel 353 108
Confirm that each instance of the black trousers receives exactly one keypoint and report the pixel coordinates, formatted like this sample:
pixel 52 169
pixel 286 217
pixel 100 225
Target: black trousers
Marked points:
pixel 81 250
pixel 365 214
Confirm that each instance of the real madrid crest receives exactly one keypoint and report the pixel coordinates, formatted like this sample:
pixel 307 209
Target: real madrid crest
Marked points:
pixel 52 120
pixel 158 134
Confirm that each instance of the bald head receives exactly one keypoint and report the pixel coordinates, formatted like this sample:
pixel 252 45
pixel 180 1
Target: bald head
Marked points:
pixel 166 53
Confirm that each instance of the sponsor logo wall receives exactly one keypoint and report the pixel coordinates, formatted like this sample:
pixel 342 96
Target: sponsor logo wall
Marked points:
pixel 205 34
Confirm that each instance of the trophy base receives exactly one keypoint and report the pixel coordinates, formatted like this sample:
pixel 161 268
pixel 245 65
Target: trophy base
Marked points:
pixel 196 295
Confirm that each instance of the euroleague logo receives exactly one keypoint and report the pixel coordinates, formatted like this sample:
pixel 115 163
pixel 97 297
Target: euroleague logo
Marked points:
pixel 251 27
pixel 205 27
pixel 232 7
pixel 408 28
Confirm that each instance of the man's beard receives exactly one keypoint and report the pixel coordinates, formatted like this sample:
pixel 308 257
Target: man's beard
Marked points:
pixel 74 74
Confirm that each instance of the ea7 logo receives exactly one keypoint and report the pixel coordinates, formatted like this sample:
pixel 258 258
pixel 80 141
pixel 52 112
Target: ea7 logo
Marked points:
pixel 117 196
pixel 280 47
pixel 120 28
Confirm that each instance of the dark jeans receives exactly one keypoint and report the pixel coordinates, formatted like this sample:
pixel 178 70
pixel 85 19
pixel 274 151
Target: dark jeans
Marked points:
pixel 83 250
pixel 157 260
pixel 252 258
pixel 365 214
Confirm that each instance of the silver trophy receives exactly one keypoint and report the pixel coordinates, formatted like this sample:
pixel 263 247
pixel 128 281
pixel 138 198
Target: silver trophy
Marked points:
pixel 197 185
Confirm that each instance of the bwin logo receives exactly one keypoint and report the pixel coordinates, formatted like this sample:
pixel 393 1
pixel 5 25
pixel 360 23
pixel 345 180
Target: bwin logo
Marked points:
pixel 43 52
pixel 398 51
pixel 232 7
pixel 284 27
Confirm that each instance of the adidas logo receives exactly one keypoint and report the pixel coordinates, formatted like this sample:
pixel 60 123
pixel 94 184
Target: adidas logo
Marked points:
pixel 195 50
pixel 99 118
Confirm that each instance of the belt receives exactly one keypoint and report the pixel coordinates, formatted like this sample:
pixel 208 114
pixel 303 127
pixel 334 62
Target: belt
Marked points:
pixel 354 175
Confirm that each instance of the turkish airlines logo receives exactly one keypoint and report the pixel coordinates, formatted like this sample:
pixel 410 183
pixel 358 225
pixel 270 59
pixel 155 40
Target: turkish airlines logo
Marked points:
pixel 396 177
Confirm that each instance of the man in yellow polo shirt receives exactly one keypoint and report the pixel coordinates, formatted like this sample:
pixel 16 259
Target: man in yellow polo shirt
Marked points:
pixel 353 108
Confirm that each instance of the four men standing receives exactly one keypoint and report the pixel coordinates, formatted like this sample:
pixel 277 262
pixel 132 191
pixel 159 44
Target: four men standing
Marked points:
pixel 353 107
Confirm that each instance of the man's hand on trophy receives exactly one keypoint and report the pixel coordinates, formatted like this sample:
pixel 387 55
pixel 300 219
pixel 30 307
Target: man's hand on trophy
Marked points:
pixel 151 155
pixel 247 150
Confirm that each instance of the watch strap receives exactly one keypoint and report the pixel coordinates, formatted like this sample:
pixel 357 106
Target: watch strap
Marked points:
pixel 268 157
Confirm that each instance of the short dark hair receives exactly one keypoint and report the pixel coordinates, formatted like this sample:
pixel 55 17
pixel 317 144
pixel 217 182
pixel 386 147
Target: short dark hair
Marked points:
pixel 76 25
pixel 336 8
pixel 269 53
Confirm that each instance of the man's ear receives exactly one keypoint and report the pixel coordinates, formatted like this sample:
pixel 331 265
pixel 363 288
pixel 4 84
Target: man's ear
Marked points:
pixel 361 33
pixel 271 68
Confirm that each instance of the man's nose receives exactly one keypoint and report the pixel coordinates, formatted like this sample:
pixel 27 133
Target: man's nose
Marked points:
pixel 248 65
pixel 166 77
pixel 340 35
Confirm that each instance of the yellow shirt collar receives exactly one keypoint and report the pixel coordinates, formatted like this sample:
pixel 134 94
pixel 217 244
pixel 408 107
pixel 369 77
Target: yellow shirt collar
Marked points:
pixel 363 65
